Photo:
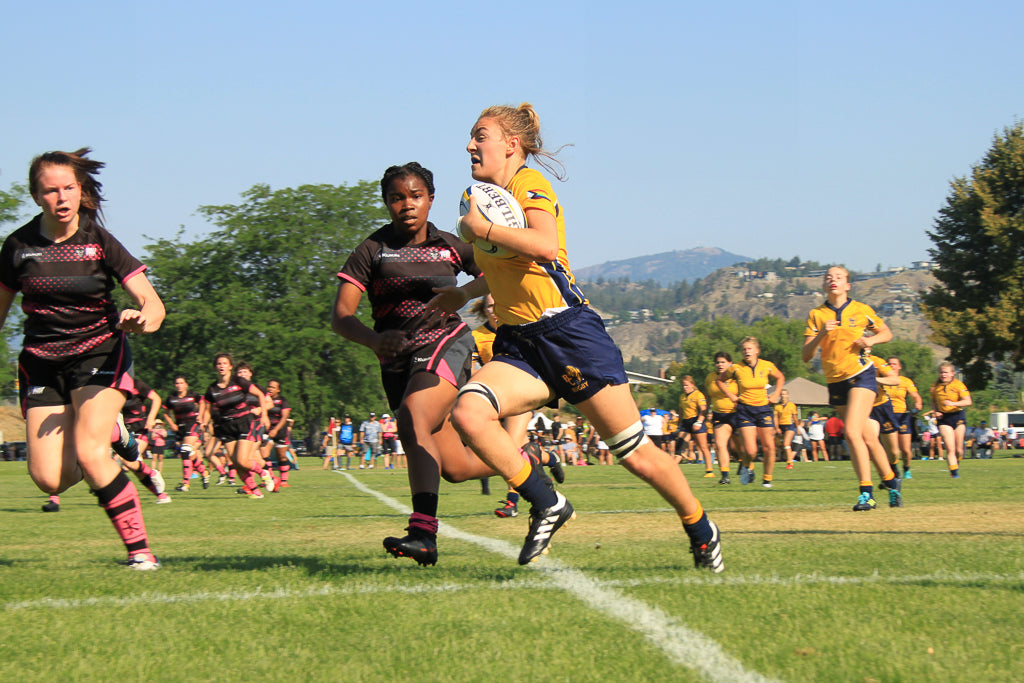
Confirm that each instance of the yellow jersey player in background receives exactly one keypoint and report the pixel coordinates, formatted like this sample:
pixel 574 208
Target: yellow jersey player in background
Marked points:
pixel 949 398
pixel 837 328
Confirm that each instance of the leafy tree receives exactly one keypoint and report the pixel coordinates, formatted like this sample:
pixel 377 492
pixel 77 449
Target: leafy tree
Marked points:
pixel 261 287
pixel 12 203
pixel 977 309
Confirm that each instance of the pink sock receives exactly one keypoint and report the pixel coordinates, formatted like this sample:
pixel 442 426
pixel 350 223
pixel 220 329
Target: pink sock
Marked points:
pixel 186 469
pixel 284 467
pixel 120 499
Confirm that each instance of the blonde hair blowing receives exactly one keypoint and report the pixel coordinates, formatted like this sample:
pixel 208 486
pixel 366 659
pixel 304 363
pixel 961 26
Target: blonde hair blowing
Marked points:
pixel 522 122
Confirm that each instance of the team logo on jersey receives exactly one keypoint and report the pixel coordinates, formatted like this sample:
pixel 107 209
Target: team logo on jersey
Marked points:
pixel 574 378
pixel 445 254
pixel 536 194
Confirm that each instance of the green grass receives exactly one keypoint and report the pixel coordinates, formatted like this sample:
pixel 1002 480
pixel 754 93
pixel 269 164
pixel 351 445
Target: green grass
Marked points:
pixel 297 586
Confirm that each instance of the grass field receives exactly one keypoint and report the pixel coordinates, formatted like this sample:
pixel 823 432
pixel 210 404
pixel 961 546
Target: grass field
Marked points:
pixel 297 586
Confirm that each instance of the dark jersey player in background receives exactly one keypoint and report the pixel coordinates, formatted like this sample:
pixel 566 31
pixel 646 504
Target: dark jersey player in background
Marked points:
pixel 75 365
pixel 234 423
pixel 181 410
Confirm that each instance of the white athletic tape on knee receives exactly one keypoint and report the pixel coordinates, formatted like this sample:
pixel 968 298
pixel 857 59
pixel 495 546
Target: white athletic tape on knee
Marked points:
pixel 483 390
pixel 628 440
pixel 186 451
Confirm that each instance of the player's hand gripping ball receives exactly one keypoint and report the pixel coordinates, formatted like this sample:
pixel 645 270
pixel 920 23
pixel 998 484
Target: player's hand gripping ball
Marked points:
pixel 497 205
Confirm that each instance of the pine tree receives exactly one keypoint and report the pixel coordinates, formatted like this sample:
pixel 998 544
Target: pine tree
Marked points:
pixel 977 310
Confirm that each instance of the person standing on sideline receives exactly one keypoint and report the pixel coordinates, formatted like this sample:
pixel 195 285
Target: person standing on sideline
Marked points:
pixel 369 436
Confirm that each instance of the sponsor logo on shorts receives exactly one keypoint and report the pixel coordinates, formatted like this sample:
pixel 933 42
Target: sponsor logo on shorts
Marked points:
pixel 35 391
pixel 574 378
pixel 417 359
pixel 97 371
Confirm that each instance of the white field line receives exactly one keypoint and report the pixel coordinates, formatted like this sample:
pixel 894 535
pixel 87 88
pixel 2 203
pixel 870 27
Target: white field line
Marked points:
pixel 952 579
pixel 685 647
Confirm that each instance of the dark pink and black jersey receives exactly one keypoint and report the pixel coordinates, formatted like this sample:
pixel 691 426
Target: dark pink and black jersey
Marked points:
pixel 184 408
pixel 230 401
pixel 135 410
pixel 66 287
pixel 399 279
pixel 280 404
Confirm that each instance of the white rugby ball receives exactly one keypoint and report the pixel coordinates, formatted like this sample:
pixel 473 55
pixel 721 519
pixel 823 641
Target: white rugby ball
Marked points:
pixel 497 205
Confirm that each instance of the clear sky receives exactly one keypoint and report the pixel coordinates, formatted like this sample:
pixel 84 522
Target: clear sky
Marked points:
pixel 828 130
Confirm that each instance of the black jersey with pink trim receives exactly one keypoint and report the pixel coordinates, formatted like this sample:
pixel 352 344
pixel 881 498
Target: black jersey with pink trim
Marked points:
pixel 66 287
pixel 399 279
pixel 231 401
pixel 184 408
pixel 135 410
pixel 280 404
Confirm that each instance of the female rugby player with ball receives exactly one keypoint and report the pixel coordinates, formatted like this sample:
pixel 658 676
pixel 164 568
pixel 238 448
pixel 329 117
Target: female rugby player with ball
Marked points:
pixel 550 344
pixel 75 367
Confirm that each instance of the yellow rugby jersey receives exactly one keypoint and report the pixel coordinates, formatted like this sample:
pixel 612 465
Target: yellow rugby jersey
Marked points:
pixel 720 403
pixel 898 394
pixel 882 369
pixel 839 359
pixel 752 381
pixel 691 404
pixel 954 391
pixel 673 425
pixel 786 414
pixel 523 289
pixel 483 337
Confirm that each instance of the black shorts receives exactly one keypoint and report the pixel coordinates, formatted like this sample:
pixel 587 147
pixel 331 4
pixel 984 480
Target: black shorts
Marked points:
pixel 50 383
pixel 571 352
pixel 450 358
pixel 187 430
pixel 237 429
pixel 687 426
pixel 838 391
pixel 762 417
pixel 719 419
pixel 884 416
pixel 902 422
pixel 954 419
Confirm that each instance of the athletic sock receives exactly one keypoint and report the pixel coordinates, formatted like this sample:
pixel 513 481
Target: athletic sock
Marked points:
pixel 532 487
pixel 220 469
pixel 513 497
pixel 284 467
pixel 186 470
pixel 201 468
pixel 55 500
pixel 697 526
pixel 120 500
pixel 868 488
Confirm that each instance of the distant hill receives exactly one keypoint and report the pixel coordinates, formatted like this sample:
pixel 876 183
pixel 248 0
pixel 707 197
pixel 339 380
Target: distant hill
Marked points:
pixel 665 268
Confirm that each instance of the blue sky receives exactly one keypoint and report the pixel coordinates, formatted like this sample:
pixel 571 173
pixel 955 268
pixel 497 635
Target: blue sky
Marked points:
pixel 824 130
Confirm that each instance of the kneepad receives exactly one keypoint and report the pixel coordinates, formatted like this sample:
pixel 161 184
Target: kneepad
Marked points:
pixel 482 390
pixel 628 440
pixel 186 452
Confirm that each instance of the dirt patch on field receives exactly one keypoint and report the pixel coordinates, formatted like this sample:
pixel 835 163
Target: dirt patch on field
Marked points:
pixel 11 424
pixel 967 518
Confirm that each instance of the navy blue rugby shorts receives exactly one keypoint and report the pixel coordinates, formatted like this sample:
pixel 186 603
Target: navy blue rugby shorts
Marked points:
pixel 571 352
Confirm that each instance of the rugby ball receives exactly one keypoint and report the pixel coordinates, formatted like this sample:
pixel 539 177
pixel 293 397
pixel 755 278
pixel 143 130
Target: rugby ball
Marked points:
pixel 497 205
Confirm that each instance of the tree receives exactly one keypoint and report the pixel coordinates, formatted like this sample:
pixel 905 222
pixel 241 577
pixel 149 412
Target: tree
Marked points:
pixel 261 287
pixel 11 205
pixel 977 309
